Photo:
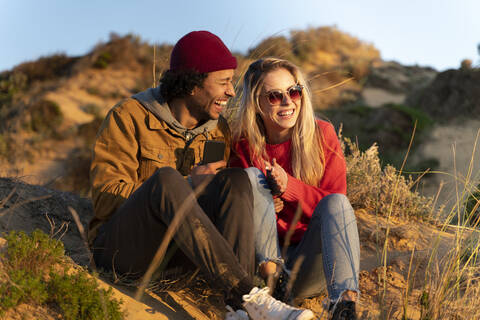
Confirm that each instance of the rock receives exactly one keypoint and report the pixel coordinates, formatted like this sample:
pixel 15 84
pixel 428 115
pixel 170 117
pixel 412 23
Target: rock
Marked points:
pixel 399 79
pixel 29 207
pixel 452 94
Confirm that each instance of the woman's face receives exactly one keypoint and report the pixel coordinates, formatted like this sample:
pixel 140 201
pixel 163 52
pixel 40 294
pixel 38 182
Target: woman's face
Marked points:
pixel 279 115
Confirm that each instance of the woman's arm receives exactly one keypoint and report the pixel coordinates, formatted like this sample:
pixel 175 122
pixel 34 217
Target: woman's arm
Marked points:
pixel 334 179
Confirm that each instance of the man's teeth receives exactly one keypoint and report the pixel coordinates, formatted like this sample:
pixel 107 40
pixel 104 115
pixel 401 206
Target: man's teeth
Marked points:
pixel 221 103
pixel 285 113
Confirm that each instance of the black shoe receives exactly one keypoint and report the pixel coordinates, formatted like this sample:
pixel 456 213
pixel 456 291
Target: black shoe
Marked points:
pixel 343 310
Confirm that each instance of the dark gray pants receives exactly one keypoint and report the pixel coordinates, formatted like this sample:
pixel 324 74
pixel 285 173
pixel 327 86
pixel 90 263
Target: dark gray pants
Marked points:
pixel 216 232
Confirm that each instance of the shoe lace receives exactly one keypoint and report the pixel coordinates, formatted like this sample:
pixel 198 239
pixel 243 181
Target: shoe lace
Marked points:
pixel 262 298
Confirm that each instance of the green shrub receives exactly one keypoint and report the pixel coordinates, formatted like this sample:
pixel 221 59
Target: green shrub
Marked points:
pixel 28 288
pixel 44 117
pixel 10 84
pixel 129 51
pixel 103 60
pixel 46 68
pixel 391 127
pixel 94 91
pixel 416 115
pixel 34 270
pixel 34 253
pixel 92 109
pixel 79 298
pixel 360 110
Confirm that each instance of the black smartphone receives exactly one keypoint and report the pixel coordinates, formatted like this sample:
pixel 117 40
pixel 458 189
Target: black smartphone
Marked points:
pixel 213 151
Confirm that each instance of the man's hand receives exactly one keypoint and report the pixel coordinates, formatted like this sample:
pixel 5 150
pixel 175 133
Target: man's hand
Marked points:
pixel 206 171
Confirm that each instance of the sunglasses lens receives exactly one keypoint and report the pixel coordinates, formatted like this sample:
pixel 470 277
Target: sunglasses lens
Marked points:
pixel 275 97
pixel 295 93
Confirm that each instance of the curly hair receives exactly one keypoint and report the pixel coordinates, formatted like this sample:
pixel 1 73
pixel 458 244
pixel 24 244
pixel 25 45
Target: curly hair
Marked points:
pixel 179 84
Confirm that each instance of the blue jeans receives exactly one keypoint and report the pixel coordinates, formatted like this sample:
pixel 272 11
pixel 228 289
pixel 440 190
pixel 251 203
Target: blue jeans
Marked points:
pixel 329 251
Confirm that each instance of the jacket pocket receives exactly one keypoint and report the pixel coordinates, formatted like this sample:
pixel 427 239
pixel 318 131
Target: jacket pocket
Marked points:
pixel 152 158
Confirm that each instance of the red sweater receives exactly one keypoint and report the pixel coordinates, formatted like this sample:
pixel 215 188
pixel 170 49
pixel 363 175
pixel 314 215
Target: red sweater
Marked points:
pixel 297 192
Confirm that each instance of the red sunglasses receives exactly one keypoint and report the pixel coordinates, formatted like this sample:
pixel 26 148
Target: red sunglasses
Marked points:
pixel 276 97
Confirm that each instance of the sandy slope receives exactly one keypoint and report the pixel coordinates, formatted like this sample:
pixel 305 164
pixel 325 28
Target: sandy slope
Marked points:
pixel 25 207
pixel 457 147
pixel 97 87
pixel 376 97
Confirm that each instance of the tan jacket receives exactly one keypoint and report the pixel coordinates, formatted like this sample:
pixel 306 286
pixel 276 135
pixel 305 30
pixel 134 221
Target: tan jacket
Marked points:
pixel 131 144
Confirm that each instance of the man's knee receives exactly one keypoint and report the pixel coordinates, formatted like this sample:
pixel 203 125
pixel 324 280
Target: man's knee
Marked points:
pixel 166 179
pixel 235 179
pixel 236 193
pixel 166 175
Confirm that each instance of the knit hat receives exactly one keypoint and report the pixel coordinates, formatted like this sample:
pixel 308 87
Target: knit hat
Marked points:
pixel 201 51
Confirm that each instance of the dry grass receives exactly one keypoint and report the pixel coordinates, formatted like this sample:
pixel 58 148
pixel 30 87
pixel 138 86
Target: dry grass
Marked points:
pixel 381 190
pixel 449 287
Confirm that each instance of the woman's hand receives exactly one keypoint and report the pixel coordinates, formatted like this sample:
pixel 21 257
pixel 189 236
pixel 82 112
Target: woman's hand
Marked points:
pixel 278 203
pixel 278 174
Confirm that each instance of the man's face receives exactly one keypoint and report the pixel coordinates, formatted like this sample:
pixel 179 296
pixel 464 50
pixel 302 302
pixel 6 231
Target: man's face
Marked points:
pixel 208 101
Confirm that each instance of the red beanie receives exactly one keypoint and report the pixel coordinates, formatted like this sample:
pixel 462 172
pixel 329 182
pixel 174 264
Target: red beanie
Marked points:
pixel 201 51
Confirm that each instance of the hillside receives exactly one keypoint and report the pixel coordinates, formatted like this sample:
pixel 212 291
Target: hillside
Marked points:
pixel 52 107
pixel 406 255
pixel 414 260
pixel 56 102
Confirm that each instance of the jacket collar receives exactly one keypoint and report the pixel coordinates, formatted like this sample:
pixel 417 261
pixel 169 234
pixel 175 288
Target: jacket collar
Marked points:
pixel 151 100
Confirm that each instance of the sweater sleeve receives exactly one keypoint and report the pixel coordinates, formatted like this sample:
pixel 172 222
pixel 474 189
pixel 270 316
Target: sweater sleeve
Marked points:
pixel 334 179
pixel 240 156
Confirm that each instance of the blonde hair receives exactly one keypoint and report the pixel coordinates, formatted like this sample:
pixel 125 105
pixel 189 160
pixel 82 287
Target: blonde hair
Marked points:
pixel 308 159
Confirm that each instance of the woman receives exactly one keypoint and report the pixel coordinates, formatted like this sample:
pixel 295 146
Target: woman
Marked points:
pixel 275 131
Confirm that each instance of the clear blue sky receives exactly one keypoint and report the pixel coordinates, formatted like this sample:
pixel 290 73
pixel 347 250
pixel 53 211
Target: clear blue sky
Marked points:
pixel 436 33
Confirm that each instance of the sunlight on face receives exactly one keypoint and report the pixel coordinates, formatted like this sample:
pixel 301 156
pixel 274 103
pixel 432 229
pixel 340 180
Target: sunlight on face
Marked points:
pixel 279 119
pixel 211 99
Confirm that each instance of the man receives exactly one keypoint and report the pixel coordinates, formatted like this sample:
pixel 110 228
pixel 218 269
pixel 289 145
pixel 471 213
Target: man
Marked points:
pixel 147 162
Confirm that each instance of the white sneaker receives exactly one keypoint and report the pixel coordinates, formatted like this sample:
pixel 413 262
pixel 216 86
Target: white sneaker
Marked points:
pixel 260 305
pixel 236 315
